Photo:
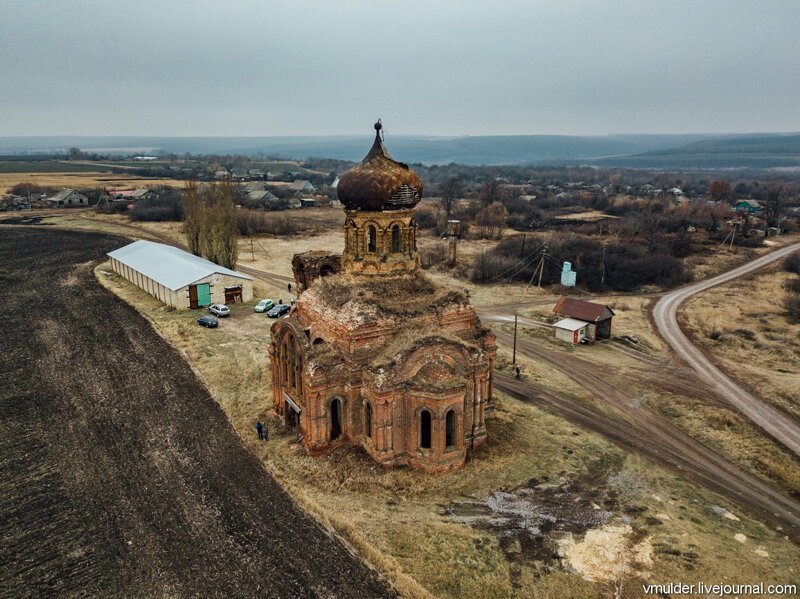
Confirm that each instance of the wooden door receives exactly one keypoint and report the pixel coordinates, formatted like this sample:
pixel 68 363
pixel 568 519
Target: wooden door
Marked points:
pixel 193 297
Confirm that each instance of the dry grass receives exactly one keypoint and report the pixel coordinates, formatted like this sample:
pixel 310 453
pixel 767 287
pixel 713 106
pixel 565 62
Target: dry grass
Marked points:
pixel 394 518
pixel 83 180
pixel 743 325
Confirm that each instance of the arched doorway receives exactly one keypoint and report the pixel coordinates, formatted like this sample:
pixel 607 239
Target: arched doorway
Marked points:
pixel 336 419
pixel 450 430
pixel 326 270
pixel 425 429
pixel 368 420
pixel 372 239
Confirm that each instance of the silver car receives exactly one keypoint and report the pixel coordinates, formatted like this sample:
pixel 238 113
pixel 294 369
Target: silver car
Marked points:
pixel 220 310
pixel 264 305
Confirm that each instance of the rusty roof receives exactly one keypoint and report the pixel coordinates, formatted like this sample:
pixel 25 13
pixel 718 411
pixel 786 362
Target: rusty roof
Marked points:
pixel 580 309
pixel 379 182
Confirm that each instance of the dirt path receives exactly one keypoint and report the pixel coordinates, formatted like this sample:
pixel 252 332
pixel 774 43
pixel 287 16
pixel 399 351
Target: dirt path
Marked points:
pixel 121 476
pixel 633 426
pixel 665 315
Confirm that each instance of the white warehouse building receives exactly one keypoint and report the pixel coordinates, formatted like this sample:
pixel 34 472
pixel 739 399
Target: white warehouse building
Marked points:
pixel 177 278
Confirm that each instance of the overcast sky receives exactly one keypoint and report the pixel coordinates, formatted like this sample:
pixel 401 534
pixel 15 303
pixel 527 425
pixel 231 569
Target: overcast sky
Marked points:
pixel 257 67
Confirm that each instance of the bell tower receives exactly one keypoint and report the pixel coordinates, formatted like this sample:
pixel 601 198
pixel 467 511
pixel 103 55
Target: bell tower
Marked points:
pixel 379 196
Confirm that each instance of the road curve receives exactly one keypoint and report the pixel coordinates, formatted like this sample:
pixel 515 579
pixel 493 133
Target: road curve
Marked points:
pixel 665 315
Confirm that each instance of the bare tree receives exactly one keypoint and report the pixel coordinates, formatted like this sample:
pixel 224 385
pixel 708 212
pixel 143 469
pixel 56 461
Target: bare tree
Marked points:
pixel 449 191
pixel 773 207
pixel 492 191
pixel 193 218
pixel 491 221
pixel 720 190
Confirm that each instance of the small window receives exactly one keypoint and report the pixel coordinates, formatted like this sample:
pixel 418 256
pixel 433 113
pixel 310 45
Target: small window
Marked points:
pixel 396 242
pixel 425 429
pixel 368 420
pixel 372 239
pixel 450 429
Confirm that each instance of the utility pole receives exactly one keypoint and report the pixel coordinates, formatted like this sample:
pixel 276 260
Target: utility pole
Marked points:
pixel 514 352
pixel 252 253
pixel 541 265
pixel 733 234
pixel 603 271
pixel 522 250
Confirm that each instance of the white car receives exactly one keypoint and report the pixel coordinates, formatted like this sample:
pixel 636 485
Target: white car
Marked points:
pixel 220 310
pixel 264 305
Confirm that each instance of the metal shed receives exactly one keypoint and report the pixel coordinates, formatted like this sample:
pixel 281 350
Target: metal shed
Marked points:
pixel 178 278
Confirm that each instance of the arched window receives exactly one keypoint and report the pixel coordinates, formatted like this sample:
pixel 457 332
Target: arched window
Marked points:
pixel 372 239
pixel 396 242
pixel 450 430
pixel 336 419
pixel 368 420
pixel 425 429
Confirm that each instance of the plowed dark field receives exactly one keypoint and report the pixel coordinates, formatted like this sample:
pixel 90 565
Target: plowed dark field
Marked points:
pixel 121 476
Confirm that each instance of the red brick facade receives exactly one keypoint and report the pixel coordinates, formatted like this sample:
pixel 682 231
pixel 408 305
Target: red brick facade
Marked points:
pixel 378 356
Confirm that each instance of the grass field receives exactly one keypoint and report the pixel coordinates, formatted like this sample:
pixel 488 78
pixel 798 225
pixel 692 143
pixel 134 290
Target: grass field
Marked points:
pixel 743 325
pixel 412 526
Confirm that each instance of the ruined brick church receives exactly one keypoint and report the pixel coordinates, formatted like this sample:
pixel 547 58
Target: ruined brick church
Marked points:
pixel 374 353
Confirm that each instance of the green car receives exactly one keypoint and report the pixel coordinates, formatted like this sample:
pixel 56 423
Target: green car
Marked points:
pixel 264 305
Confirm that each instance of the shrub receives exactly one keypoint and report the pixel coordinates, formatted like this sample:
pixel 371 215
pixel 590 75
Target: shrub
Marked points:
pixel 250 222
pixel 792 263
pixel 489 266
pixel 433 255
pixel 793 286
pixel 793 307
pixel 167 208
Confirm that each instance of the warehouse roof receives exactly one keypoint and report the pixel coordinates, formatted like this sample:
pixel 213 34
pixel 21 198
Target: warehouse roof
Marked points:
pixel 171 267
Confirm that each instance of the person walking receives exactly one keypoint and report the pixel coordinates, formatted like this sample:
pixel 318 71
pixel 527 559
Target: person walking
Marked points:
pixel 289 286
pixel 260 428
pixel 517 372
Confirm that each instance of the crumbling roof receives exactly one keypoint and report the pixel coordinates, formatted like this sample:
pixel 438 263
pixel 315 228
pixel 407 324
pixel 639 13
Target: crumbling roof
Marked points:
pixel 580 309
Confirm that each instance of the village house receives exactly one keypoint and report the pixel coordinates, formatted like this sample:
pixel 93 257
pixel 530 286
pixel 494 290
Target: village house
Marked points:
pixel 375 354
pixel 596 317
pixel 177 278
pixel 749 206
pixel 142 193
pixel 68 197
pixel 302 185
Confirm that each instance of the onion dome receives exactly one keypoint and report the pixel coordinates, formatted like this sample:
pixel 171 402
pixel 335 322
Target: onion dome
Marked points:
pixel 379 182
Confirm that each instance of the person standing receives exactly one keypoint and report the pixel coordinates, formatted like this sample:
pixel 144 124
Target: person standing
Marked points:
pixel 260 428
pixel 266 432
pixel 289 286
pixel 517 372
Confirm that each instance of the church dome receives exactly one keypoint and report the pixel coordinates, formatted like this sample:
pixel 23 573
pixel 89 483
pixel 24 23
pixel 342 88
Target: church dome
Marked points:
pixel 379 182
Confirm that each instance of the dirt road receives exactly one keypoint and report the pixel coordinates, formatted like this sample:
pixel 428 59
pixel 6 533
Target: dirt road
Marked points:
pixel 625 421
pixel 776 423
pixel 121 476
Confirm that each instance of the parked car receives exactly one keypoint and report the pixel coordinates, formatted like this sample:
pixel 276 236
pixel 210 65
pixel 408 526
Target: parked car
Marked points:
pixel 220 310
pixel 264 305
pixel 208 321
pixel 279 310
